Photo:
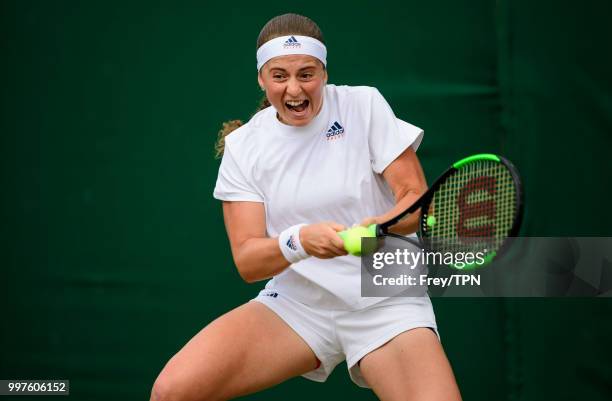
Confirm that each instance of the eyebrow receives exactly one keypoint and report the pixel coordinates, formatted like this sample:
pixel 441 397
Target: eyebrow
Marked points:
pixel 301 69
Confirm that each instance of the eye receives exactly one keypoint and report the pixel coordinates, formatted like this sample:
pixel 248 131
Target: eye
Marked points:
pixel 307 75
pixel 278 76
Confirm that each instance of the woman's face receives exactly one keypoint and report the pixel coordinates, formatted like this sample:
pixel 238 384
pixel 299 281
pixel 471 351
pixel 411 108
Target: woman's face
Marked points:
pixel 294 86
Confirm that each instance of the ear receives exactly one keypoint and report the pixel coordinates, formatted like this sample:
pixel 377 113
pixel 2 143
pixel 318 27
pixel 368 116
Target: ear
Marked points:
pixel 260 81
pixel 325 76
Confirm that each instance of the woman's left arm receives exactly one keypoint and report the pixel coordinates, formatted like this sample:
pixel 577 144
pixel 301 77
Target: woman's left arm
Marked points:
pixel 407 181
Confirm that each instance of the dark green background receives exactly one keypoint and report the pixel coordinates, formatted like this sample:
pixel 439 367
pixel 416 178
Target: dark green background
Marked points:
pixel 114 251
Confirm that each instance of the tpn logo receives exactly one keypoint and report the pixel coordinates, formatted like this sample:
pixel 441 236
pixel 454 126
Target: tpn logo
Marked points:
pixel 292 42
pixel 336 131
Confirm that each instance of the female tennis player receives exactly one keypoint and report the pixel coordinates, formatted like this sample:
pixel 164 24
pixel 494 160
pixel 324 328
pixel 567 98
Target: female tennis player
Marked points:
pixel 315 159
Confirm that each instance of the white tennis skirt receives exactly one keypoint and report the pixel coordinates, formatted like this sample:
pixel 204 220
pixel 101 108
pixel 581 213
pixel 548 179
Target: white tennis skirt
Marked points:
pixel 337 335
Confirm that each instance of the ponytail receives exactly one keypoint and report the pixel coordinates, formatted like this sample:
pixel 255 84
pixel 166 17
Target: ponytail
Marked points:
pixel 231 125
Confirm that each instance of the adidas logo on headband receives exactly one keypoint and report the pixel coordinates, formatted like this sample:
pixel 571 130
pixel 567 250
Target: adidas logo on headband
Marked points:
pixel 292 43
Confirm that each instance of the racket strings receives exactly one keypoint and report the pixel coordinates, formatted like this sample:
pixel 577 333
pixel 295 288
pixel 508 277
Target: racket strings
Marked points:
pixel 474 208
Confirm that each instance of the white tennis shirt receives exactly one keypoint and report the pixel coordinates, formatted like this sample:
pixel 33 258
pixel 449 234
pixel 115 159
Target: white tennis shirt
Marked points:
pixel 329 170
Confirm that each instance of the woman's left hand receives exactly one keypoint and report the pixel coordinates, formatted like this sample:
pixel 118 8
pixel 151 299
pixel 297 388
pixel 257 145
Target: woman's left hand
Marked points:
pixel 369 220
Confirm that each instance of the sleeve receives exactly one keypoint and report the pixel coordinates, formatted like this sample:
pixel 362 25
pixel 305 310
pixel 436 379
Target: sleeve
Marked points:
pixel 232 184
pixel 388 136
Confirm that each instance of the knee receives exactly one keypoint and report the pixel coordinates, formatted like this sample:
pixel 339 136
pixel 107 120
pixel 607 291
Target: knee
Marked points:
pixel 168 388
pixel 164 390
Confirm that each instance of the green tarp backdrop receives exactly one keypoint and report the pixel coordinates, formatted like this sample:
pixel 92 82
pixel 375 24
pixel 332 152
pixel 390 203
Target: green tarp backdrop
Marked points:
pixel 114 251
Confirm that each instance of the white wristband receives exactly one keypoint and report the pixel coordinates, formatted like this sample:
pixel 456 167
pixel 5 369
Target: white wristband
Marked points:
pixel 290 245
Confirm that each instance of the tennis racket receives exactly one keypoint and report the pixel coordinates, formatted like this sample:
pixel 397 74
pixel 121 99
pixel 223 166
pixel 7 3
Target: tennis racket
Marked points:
pixel 474 206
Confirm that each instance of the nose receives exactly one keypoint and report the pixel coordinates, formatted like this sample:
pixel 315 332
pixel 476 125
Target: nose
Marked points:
pixel 293 87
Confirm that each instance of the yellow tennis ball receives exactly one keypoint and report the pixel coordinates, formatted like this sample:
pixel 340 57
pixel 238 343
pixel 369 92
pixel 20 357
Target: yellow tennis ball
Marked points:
pixel 352 239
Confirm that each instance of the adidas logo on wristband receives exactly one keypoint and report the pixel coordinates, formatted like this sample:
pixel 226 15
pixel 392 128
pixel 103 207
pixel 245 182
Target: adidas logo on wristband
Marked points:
pixel 291 243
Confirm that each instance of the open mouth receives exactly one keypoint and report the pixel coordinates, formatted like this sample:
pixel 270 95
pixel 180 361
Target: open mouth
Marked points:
pixel 297 105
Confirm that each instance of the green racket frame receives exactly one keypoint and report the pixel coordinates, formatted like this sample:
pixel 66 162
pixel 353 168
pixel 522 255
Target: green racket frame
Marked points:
pixel 427 221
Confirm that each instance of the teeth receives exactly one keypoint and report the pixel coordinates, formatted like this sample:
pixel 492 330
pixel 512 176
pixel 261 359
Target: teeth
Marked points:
pixel 294 103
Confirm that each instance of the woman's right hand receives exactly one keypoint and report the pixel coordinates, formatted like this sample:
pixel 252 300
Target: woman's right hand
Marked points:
pixel 321 240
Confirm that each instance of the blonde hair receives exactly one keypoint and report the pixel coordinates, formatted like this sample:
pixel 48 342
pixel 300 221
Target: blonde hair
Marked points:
pixel 286 24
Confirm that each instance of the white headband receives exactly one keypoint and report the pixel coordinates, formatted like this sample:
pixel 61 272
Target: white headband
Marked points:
pixel 292 44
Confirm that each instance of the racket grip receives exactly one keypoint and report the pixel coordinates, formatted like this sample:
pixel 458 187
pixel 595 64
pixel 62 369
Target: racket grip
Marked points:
pixel 373 229
pixel 352 237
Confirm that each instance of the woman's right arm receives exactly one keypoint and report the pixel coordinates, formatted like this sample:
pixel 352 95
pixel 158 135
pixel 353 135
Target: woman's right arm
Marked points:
pixel 258 256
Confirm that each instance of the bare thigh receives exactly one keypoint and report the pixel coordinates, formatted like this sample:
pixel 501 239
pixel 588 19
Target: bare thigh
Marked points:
pixel 412 366
pixel 246 350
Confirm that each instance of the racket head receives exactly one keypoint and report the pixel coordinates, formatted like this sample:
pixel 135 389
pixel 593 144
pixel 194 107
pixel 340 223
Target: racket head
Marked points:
pixel 475 206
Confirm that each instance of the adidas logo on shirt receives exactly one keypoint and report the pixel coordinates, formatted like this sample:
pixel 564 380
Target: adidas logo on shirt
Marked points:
pixel 291 42
pixel 335 131
pixel 291 243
